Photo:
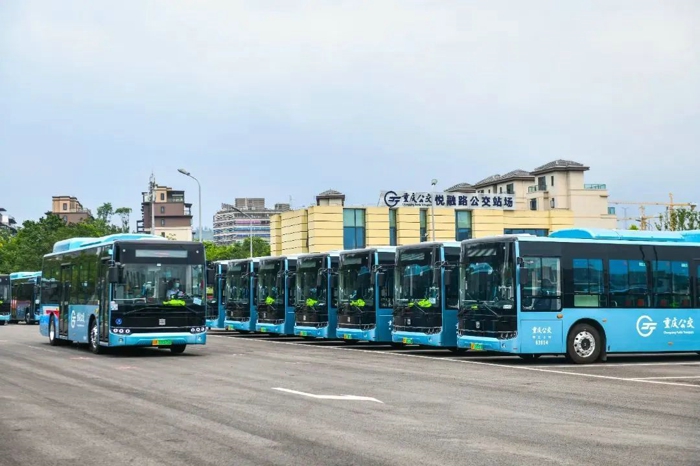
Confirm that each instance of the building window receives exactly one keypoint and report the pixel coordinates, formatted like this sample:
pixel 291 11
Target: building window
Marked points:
pixel 65 218
pixel 162 222
pixel 510 188
pixel 353 228
pixel 162 209
pixel 162 196
pixel 551 180
pixel 463 225
pixel 542 183
pixel 611 210
pixel 552 204
pixel 392 227
pixel 423 225
pixel 525 231
pixel 533 204
pixel 162 234
pixel 65 206
pixel 500 190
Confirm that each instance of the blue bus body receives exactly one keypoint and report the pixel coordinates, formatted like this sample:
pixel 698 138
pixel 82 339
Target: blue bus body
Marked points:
pixel 366 294
pixel 25 288
pixel 426 294
pixel 124 290
pixel 241 309
pixel 316 304
pixel 5 301
pixel 581 293
pixel 276 295
pixel 216 303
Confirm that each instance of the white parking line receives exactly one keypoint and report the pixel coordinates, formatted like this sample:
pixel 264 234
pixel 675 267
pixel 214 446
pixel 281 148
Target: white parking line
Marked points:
pixel 671 377
pixel 630 364
pixel 329 397
pixel 481 363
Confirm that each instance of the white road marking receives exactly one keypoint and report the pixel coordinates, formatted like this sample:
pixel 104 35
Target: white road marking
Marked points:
pixel 629 364
pixel 330 397
pixel 480 363
pixel 670 377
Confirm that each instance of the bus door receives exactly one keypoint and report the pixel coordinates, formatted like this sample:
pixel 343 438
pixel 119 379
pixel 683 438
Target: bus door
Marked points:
pixel 66 272
pixel 104 297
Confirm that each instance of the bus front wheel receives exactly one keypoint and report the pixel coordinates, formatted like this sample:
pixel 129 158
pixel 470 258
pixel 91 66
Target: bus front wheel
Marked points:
pixel 53 341
pixel 94 338
pixel 584 344
pixel 178 349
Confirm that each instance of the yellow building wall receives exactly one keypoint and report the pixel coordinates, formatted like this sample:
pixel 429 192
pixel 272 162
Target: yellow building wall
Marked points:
pixel 275 235
pixel 407 225
pixel 294 231
pixel 377 226
pixel 325 228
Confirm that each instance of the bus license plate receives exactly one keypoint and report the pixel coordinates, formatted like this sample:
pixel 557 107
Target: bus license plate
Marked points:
pixel 476 346
pixel 162 342
pixel 263 329
pixel 303 334
pixel 347 336
pixel 408 341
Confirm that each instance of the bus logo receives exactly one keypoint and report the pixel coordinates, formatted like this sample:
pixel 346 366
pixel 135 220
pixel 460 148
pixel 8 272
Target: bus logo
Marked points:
pixel 72 319
pixel 645 326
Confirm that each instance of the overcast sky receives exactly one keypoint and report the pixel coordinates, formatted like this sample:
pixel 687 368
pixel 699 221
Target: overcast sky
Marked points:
pixel 290 98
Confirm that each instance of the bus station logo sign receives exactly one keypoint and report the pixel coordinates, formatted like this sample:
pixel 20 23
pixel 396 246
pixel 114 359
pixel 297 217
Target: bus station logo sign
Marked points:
pixel 393 199
pixel 645 326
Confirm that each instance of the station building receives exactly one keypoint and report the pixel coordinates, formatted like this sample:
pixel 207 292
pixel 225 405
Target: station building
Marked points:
pixel 548 198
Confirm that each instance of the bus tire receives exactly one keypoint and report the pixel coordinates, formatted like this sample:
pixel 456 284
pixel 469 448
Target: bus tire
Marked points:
pixel 397 345
pixel 27 319
pixel 53 341
pixel 584 344
pixel 178 349
pixel 94 337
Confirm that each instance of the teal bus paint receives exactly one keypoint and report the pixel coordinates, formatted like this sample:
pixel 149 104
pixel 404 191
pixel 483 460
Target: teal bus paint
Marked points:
pixel 241 290
pixel 124 290
pixel 316 304
pixel 426 294
pixel 216 294
pixel 366 294
pixel 276 295
pixel 25 288
pixel 5 302
pixel 581 293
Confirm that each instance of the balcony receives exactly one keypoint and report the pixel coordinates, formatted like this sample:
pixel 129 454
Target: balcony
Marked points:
pixel 536 188
pixel 596 187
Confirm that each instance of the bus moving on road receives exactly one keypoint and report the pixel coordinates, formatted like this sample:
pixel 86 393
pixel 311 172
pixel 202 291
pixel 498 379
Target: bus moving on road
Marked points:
pixel 366 290
pixel 426 294
pixel 124 290
pixel 241 311
pixel 25 288
pixel 5 304
pixel 276 295
pixel 317 296
pixel 583 293
pixel 216 302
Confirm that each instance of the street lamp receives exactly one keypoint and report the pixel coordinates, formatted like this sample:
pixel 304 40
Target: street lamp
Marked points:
pixel 199 186
pixel 432 205
pixel 250 234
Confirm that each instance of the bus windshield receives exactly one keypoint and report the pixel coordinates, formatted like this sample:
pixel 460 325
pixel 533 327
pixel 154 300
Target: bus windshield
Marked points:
pixel 307 274
pixel 4 292
pixel 487 275
pixel 354 279
pixel 237 285
pixel 414 277
pixel 155 283
pixel 270 284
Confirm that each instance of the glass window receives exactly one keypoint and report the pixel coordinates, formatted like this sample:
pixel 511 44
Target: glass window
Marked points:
pixel 588 282
pixel 353 228
pixel 671 284
pixel 628 283
pixel 423 225
pixel 392 228
pixel 541 290
pixel 463 225
pixel 522 231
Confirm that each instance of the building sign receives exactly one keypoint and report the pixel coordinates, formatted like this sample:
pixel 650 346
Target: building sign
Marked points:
pixel 394 199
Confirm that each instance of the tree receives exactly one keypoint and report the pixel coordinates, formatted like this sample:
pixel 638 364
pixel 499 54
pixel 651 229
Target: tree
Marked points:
pixel 124 213
pixel 634 227
pixel 216 252
pixel 679 219
pixel 105 212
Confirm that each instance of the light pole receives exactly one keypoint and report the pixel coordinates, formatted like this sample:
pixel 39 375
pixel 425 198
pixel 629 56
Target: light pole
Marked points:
pixel 250 234
pixel 199 186
pixel 432 206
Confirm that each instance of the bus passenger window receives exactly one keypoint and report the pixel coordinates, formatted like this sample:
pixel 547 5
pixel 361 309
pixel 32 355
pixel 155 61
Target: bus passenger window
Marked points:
pixel 541 291
pixel 588 282
pixel 671 282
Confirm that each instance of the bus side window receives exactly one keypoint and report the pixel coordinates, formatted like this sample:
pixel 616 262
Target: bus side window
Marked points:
pixel 542 290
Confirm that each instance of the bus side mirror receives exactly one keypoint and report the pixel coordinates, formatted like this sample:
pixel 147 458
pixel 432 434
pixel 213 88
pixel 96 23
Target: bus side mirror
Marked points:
pixel 523 276
pixel 319 280
pixel 114 274
pixel 381 279
pixel 211 275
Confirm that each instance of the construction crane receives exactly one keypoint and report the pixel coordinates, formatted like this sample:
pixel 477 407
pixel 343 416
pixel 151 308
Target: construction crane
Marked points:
pixel 643 218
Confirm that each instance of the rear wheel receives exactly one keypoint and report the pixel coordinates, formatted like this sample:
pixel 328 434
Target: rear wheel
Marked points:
pixel 584 344
pixel 2 322
pixel 27 318
pixel 52 332
pixel 178 349
pixel 94 338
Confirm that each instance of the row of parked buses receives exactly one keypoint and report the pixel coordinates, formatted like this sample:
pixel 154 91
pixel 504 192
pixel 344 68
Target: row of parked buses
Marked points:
pixel 581 293
pixel 19 298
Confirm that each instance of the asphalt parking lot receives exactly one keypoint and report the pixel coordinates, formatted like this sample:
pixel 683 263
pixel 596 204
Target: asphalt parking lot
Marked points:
pixel 260 400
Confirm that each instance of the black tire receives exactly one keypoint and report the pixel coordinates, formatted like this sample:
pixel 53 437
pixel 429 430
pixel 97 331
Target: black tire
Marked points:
pixel 584 344
pixel 2 322
pixel 178 349
pixel 94 338
pixel 27 319
pixel 53 341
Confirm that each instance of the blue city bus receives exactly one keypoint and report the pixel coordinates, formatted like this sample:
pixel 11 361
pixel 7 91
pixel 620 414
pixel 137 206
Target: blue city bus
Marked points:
pixel 216 302
pixel 276 295
pixel 5 304
pixel 582 293
pixel 426 294
pixel 366 294
pixel 241 309
pixel 316 305
pixel 124 290
pixel 25 288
